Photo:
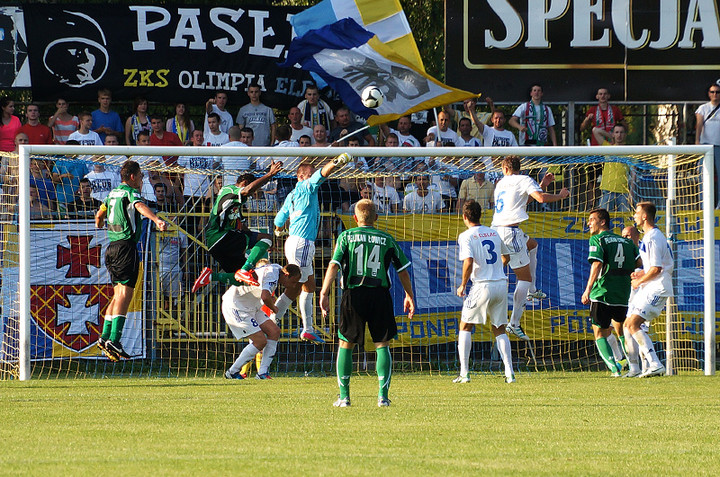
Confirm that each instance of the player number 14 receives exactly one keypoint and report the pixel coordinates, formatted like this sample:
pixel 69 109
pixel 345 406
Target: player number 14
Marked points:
pixel 373 260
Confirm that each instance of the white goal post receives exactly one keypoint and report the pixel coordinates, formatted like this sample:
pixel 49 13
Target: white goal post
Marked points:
pixel 458 160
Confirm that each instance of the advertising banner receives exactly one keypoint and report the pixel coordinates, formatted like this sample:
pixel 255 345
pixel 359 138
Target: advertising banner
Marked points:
pixel 642 50
pixel 165 53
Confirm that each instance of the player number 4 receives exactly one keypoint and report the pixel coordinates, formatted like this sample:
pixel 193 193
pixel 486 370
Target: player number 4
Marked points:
pixel 619 257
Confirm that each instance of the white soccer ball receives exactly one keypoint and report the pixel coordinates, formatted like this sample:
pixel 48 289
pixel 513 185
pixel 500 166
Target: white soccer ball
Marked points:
pixel 372 97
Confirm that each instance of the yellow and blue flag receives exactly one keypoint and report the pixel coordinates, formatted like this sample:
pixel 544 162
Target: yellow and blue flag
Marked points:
pixel 350 58
pixel 384 18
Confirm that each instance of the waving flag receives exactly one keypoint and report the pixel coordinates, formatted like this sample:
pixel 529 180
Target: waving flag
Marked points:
pixel 385 18
pixel 350 58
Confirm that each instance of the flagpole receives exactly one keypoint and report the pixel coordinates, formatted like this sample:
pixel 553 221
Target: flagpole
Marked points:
pixel 350 134
pixel 437 126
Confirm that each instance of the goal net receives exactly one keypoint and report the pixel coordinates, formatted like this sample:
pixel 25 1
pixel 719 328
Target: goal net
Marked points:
pixel 55 288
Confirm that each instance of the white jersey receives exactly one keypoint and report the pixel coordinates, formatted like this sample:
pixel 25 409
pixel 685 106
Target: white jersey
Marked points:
pixel 511 197
pixel 655 252
pixel 210 139
pixel 429 203
pixel 472 142
pixel 445 137
pixel 385 198
pixel 102 183
pixel 305 131
pixel 485 247
pixel 197 185
pixel 405 140
pixel 226 120
pixel 494 138
pixel 235 163
pixel 90 139
pixel 247 298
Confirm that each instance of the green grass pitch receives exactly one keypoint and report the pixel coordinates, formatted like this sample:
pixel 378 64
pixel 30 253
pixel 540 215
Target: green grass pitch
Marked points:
pixel 545 424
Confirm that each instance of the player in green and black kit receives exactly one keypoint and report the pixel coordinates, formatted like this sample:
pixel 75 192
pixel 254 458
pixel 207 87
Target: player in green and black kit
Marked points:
pixel 122 209
pixel 228 238
pixel 365 254
pixel 613 258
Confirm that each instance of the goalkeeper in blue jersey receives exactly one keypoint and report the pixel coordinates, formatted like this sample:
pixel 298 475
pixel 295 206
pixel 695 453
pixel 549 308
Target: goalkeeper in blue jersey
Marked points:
pixel 365 254
pixel 300 214
pixel 123 210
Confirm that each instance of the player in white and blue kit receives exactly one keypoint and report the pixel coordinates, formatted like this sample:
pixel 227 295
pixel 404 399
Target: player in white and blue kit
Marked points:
pixel 484 255
pixel 511 198
pixel 654 284
pixel 300 214
pixel 242 310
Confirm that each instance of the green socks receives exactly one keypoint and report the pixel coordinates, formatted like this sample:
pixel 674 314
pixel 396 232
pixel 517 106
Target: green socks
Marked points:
pixel 107 327
pixel 117 326
pixel 344 370
pixel 607 354
pixel 256 253
pixel 226 278
pixel 384 370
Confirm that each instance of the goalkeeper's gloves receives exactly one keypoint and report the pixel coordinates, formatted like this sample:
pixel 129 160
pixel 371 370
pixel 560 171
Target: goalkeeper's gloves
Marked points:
pixel 342 159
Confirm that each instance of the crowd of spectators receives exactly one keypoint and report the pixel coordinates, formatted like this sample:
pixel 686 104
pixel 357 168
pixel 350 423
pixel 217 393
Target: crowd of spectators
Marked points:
pixel 69 188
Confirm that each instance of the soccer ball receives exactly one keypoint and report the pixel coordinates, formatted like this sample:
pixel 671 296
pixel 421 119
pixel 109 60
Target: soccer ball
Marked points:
pixel 372 97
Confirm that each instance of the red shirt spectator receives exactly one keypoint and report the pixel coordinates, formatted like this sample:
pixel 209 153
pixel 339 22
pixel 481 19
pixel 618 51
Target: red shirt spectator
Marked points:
pixel 37 132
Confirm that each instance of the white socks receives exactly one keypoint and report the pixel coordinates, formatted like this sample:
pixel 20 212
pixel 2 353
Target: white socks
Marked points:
pixel 246 355
pixel 533 268
pixel 631 347
pixel 519 299
pixel 282 304
pixel 267 356
pixel 646 346
pixel 464 346
pixel 305 303
pixel 615 345
pixel 503 345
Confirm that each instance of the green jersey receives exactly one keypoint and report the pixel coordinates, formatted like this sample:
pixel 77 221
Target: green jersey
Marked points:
pixel 365 254
pixel 123 219
pixel 618 256
pixel 225 214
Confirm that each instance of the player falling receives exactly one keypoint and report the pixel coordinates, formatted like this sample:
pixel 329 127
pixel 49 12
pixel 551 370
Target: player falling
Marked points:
pixel 242 309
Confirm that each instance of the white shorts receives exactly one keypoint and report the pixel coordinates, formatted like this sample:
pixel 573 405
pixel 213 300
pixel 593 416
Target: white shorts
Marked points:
pixel 516 240
pixel 300 252
pixel 647 304
pixel 242 323
pixel 486 299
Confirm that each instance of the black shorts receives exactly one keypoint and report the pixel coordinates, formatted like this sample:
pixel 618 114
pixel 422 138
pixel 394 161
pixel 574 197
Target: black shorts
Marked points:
pixel 601 314
pixel 367 305
pixel 229 251
pixel 123 262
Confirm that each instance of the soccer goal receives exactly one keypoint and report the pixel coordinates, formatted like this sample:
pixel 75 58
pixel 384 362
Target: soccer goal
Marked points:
pixel 55 287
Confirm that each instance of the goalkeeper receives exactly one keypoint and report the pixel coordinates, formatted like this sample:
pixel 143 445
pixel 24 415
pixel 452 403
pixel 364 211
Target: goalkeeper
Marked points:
pixel 123 209
pixel 365 253
pixel 613 259
pixel 228 237
pixel 301 210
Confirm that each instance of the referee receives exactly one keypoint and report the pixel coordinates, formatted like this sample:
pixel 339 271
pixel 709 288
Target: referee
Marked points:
pixel 365 254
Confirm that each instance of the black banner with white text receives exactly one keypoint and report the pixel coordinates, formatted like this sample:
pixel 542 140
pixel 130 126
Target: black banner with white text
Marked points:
pixel 165 53
pixel 642 50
